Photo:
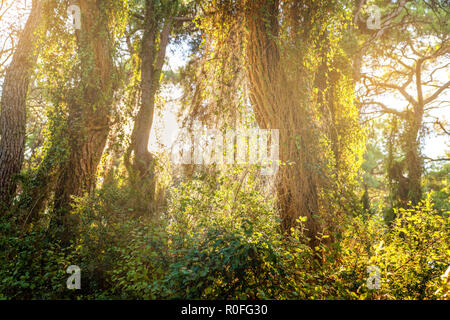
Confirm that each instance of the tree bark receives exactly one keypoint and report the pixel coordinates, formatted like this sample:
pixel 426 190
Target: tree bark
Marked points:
pixel 152 60
pixel 413 159
pixel 13 104
pixel 276 106
pixel 89 115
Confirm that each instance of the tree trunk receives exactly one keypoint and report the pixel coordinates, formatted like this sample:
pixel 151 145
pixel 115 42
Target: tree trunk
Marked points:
pixel 13 104
pixel 294 89
pixel 152 60
pixel 142 164
pixel 277 105
pixel 413 160
pixel 89 115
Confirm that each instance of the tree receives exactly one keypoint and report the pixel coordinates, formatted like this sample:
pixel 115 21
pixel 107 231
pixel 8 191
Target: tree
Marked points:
pixel 410 62
pixel 299 85
pixel 284 61
pixel 159 20
pixel 13 103
pixel 89 108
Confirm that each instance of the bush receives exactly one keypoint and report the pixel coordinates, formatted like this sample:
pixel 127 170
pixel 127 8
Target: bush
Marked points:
pixel 219 238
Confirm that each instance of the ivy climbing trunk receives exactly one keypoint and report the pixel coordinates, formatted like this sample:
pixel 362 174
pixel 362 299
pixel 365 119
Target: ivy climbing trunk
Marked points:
pixel 277 105
pixel 13 104
pixel 413 158
pixel 89 114
pixel 294 89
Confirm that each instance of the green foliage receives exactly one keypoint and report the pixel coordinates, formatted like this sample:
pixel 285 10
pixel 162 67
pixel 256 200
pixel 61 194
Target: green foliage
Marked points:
pixel 437 182
pixel 412 253
pixel 240 264
pixel 218 239
pixel 33 266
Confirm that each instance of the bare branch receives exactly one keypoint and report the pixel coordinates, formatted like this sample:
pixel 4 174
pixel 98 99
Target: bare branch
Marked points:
pixel 386 109
pixel 437 93
pixel 440 159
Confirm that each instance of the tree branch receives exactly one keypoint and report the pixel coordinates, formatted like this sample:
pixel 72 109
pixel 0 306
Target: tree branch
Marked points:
pixel 386 109
pixel 437 93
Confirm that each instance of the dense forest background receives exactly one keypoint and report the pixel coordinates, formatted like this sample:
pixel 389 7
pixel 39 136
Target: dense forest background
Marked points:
pixel 356 90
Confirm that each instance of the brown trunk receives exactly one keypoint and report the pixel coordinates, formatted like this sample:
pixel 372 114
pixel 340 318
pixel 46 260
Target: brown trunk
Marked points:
pixel 406 175
pixel 413 161
pixel 411 147
pixel 152 60
pixel 413 157
pixel 89 109
pixel 13 104
pixel 276 99
pixel 141 132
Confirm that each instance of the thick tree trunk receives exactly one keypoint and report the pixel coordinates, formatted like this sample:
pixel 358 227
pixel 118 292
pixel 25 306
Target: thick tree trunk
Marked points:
pixel 13 104
pixel 277 104
pixel 89 111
